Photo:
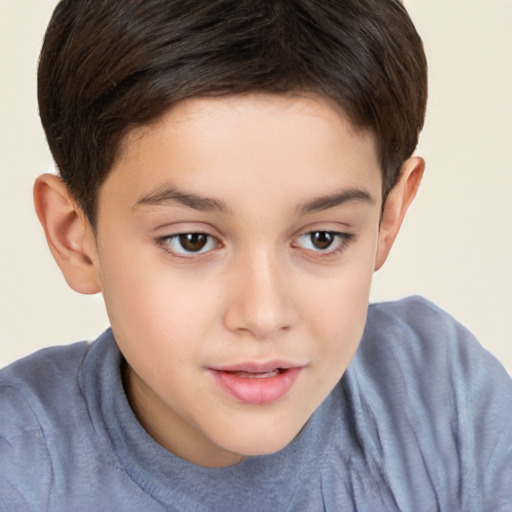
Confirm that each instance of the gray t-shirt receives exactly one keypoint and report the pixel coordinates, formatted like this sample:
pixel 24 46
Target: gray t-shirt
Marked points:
pixel 421 421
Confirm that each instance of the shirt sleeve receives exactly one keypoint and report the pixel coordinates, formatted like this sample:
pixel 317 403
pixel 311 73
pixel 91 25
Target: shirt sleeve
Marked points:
pixel 25 468
pixel 439 410
pixel 482 415
pixel 489 418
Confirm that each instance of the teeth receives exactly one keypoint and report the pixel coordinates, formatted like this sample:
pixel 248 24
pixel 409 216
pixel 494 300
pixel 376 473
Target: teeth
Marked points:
pixel 256 375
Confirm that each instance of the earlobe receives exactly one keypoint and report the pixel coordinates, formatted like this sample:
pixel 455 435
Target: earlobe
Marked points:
pixel 396 206
pixel 68 233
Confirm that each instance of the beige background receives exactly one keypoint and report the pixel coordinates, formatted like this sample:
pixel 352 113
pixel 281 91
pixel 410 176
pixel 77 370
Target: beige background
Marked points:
pixel 456 245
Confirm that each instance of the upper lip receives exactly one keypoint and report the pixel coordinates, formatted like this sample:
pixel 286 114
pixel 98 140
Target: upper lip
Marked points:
pixel 257 367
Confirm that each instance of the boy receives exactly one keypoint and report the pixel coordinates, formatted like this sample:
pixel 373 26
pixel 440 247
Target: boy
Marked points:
pixel 231 174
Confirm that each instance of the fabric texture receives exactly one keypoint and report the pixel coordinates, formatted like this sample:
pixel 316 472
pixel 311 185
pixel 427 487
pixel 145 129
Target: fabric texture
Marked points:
pixel 420 421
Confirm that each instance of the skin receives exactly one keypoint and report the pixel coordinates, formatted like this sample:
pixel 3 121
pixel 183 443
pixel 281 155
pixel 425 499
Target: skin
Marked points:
pixel 261 289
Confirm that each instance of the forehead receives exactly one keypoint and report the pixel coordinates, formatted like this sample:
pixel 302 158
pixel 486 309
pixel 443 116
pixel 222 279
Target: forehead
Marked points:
pixel 244 143
pixel 228 114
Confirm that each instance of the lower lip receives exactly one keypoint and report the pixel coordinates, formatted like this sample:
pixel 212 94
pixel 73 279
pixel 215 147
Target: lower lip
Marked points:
pixel 256 391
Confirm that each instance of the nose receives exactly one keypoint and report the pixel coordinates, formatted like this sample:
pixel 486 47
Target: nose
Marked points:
pixel 260 300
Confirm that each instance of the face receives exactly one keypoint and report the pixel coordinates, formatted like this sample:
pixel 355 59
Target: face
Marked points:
pixel 235 246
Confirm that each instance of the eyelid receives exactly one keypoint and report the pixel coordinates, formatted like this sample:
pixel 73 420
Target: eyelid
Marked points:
pixel 164 244
pixel 344 239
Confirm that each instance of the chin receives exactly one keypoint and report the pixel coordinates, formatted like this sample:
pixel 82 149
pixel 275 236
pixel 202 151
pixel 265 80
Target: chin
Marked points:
pixel 264 441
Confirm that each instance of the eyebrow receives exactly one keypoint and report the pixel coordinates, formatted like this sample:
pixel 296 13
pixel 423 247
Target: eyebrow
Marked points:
pixel 325 202
pixel 166 194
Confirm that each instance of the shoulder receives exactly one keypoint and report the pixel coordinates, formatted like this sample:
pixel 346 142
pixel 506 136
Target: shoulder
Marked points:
pixel 430 397
pixel 55 361
pixel 34 384
pixel 412 318
pixel 415 348
pixel 38 395
pixel 46 389
pixel 420 334
pixel 42 380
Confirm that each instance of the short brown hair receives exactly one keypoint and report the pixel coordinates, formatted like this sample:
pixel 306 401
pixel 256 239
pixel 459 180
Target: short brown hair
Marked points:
pixel 107 66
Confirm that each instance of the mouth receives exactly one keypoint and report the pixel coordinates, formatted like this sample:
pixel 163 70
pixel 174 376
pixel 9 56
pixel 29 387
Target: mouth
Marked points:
pixel 257 375
pixel 256 384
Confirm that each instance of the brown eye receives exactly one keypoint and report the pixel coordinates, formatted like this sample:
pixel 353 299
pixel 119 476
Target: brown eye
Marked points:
pixel 189 244
pixel 193 242
pixel 322 240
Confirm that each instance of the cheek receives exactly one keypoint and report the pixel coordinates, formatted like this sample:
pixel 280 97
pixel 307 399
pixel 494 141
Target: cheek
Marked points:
pixel 148 300
pixel 340 309
pixel 341 318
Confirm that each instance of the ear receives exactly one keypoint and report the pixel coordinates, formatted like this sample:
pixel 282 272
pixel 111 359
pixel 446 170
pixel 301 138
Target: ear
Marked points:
pixel 396 206
pixel 68 233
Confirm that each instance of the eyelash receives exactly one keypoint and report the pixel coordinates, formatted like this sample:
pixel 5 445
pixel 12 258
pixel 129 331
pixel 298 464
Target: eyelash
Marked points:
pixel 342 239
pixel 166 241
